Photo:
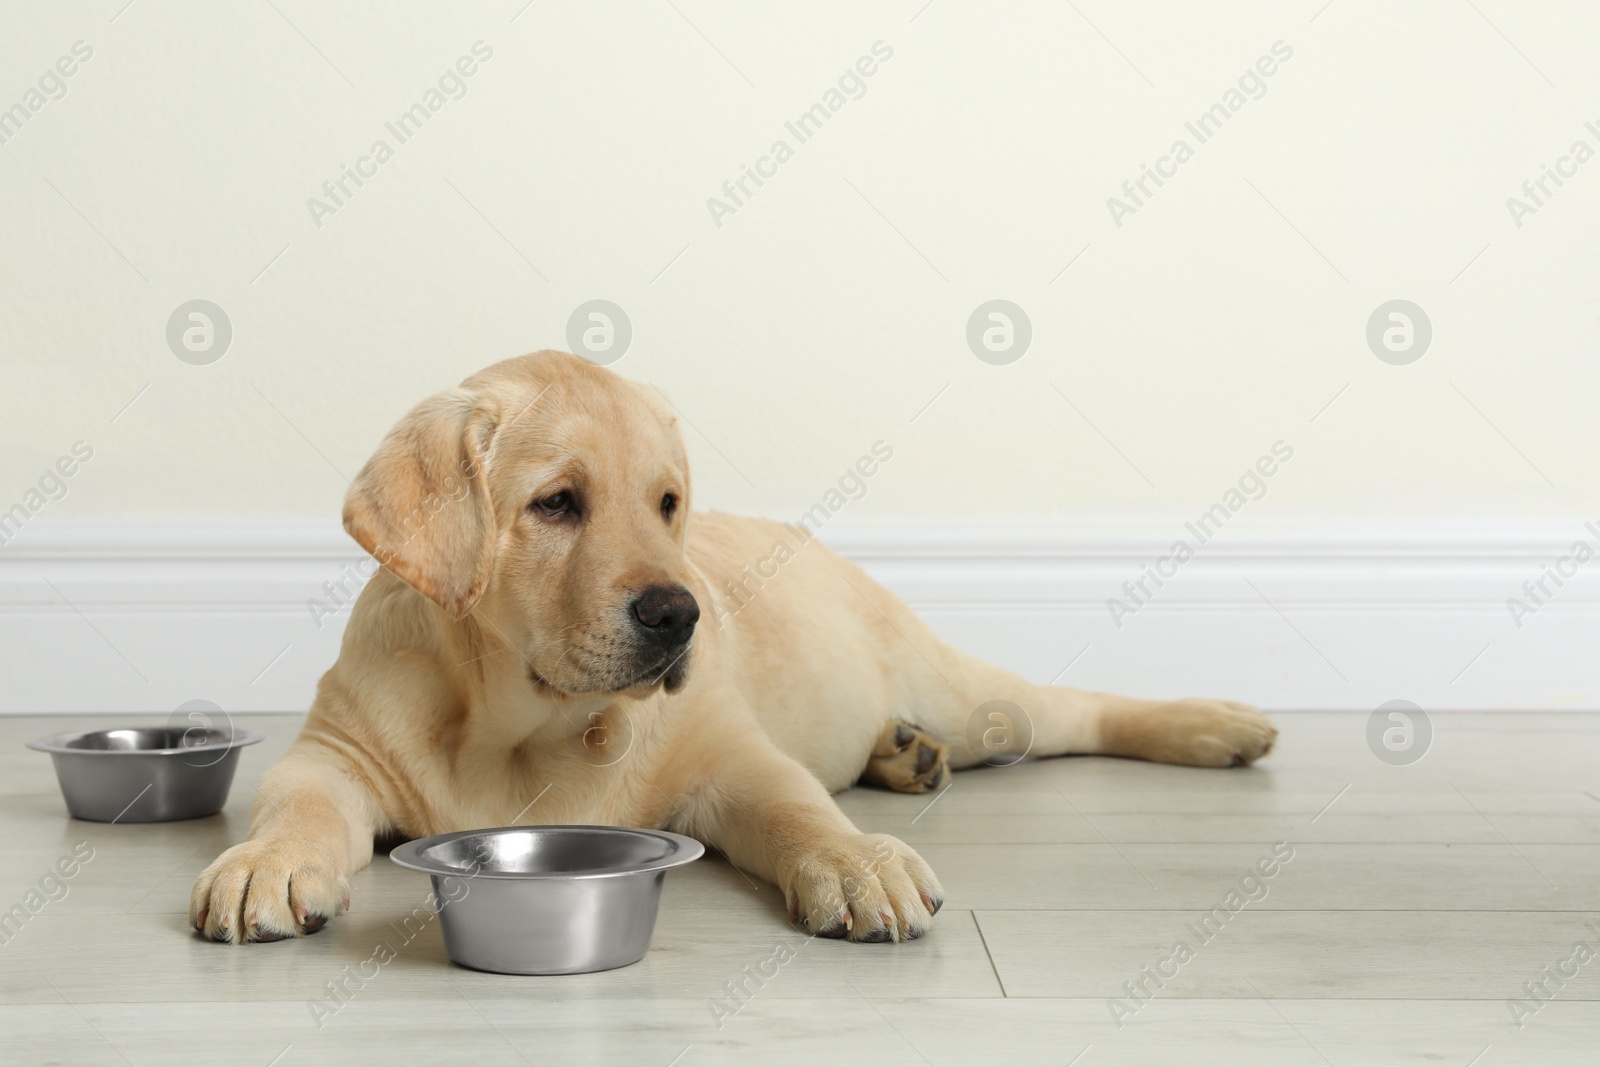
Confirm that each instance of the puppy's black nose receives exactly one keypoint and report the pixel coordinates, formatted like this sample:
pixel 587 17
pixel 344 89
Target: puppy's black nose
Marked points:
pixel 667 613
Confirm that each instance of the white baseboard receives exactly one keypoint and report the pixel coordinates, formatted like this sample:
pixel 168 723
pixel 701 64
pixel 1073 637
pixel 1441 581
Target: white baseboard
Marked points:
pixel 143 616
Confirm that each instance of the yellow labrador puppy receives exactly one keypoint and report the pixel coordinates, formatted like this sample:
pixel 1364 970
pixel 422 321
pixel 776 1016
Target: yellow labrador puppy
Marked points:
pixel 553 639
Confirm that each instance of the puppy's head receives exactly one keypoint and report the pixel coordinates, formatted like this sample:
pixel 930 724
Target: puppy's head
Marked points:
pixel 547 498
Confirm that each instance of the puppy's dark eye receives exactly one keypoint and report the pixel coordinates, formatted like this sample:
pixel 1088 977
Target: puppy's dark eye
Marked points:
pixel 554 506
pixel 669 506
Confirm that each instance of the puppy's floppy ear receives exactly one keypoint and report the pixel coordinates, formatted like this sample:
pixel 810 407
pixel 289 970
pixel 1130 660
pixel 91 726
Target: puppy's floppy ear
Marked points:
pixel 421 504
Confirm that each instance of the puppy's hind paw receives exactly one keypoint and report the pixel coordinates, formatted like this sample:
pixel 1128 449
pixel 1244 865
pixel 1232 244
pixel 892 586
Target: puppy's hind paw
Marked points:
pixel 908 760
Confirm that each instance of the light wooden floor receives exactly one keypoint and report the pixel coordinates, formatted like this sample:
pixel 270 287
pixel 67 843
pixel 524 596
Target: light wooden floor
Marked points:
pixel 1417 903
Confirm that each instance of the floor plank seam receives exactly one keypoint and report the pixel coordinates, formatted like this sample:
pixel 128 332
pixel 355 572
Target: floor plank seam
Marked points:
pixel 1001 982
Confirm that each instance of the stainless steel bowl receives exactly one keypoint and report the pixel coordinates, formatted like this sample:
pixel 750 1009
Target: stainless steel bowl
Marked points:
pixel 152 774
pixel 548 899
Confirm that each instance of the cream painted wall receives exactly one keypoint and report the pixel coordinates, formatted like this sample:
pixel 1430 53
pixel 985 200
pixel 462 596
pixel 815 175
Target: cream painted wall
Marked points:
pixel 1227 313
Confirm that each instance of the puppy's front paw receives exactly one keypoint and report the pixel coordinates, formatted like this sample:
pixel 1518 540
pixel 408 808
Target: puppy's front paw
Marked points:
pixel 869 887
pixel 1206 733
pixel 267 890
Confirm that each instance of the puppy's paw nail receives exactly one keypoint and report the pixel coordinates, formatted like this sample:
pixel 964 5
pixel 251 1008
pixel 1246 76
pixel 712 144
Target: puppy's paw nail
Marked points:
pixel 903 735
pixel 931 904
pixel 313 922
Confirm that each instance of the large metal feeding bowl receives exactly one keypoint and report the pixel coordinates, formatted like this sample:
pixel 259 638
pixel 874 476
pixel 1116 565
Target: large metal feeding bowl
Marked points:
pixel 548 899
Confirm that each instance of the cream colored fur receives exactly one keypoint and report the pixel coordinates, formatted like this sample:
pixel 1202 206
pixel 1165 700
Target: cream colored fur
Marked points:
pixel 483 679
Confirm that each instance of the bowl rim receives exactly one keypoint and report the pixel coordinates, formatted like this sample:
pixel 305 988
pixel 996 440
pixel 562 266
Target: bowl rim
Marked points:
pixel 61 744
pixel 685 850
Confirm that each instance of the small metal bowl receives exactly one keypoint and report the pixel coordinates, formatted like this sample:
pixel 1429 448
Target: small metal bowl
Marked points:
pixel 548 899
pixel 147 774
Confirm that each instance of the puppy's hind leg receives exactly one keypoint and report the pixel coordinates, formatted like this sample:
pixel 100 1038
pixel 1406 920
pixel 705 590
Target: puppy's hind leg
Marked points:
pixel 981 713
pixel 990 715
